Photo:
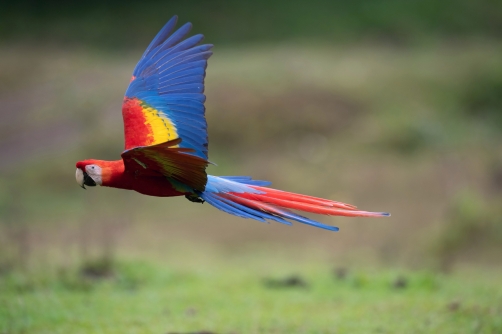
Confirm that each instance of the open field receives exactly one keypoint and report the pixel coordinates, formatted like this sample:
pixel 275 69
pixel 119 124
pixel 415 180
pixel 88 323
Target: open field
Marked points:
pixel 249 292
pixel 413 131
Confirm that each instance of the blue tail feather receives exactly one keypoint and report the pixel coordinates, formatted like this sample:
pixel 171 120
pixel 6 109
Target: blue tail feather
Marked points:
pixel 217 186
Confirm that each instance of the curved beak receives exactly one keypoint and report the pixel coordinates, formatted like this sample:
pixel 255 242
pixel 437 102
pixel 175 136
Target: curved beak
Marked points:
pixel 83 179
pixel 79 175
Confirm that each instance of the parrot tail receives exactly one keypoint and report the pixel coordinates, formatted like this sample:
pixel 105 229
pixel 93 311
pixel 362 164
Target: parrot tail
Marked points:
pixel 244 197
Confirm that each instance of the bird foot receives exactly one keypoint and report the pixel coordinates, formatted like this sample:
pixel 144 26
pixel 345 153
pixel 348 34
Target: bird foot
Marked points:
pixel 194 198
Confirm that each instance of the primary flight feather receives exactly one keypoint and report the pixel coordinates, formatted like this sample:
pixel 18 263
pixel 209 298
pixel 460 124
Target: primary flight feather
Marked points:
pixel 165 133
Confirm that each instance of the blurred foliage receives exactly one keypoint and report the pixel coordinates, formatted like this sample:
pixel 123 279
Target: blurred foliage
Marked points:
pixel 117 23
pixel 411 138
pixel 91 274
pixel 473 224
pixel 483 97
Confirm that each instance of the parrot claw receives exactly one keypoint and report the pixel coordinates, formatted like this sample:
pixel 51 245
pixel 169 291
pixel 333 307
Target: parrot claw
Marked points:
pixel 194 198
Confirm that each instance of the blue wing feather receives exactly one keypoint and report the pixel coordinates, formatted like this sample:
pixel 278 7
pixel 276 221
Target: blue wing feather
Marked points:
pixel 183 60
pixel 161 36
pixel 170 78
pixel 183 88
pixel 196 67
pixel 187 44
pixel 180 80
pixel 175 38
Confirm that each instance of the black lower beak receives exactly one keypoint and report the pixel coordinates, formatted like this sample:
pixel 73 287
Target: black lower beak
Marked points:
pixel 88 181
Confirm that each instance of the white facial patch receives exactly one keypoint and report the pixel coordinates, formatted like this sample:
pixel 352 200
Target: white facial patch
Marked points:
pixel 94 171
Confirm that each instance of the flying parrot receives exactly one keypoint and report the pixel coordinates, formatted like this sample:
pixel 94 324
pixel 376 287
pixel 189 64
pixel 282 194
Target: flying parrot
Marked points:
pixel 166 142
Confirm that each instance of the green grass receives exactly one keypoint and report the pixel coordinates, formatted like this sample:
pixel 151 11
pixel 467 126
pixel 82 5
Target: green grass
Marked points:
pixel 232 297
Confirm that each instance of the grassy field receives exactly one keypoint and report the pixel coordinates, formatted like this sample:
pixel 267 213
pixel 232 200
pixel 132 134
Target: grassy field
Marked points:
pixel 205 291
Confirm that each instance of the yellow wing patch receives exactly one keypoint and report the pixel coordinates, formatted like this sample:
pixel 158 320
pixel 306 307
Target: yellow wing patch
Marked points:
pixel 145 125
pixel 160 126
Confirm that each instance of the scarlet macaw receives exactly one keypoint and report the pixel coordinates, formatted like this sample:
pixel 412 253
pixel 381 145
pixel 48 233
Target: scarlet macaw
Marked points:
pixel 166 141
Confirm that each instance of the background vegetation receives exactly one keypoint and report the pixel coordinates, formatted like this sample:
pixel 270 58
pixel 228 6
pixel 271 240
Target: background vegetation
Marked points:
pixel 390 105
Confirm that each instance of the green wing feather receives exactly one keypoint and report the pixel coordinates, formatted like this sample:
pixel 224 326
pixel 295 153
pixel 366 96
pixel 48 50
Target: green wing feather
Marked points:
pixel 166 160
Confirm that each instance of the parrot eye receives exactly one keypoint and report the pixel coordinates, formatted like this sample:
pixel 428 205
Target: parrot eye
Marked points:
pixel 93 173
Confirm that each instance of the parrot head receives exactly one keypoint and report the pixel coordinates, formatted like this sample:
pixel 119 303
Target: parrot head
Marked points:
pixel 89 173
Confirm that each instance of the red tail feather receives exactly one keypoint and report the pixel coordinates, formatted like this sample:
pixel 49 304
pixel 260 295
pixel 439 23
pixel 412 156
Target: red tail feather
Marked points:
pixel 245 200
pixel 304 198
pixel 306 203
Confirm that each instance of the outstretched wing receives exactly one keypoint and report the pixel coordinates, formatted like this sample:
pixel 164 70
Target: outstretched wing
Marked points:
pixel 168 159
pixel 165 98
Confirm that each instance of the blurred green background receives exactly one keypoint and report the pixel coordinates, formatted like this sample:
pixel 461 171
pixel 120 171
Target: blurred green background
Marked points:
pixel 389 105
